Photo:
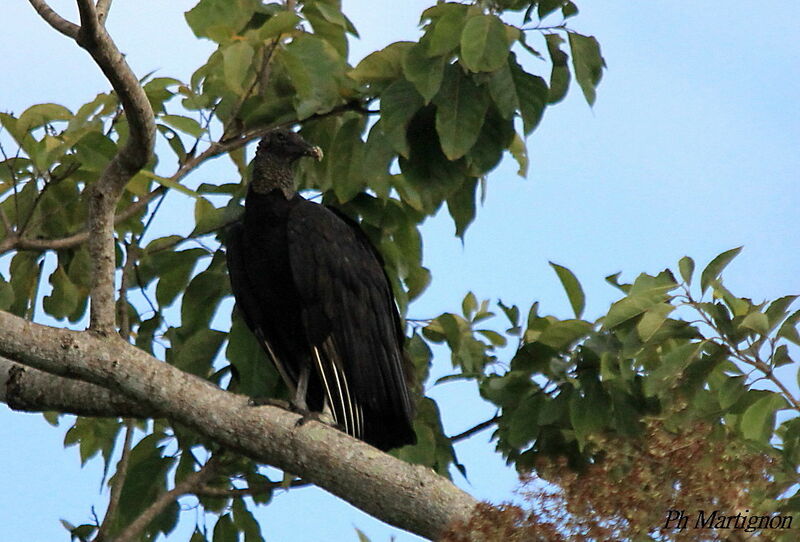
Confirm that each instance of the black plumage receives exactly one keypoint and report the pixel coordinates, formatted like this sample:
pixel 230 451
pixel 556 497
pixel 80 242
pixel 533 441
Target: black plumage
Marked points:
pixel 312 289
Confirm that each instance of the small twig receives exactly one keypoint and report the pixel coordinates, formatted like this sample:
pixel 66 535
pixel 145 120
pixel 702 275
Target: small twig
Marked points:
pixel 55 20
pixel 119 482
pixel 16 242
pixel 738 354
pixel 260 78
pixel 562 26
pixel 187 485
pixel 472 430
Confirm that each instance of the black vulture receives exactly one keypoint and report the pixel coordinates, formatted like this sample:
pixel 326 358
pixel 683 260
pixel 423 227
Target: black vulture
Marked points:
pixel 312 289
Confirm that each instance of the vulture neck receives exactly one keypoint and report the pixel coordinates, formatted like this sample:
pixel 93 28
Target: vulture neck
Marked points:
pixel 272 173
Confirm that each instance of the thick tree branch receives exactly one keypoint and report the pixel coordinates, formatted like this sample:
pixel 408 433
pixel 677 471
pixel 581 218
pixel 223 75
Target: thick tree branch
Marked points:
pixel 226 492
pixel 407 496
pixel 29 390
pixel 103 195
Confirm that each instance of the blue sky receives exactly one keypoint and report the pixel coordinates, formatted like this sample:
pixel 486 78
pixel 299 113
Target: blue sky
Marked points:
pixel 693 147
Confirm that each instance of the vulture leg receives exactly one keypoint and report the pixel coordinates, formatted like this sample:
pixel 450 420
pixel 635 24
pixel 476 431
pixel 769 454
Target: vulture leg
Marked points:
pixel 302 389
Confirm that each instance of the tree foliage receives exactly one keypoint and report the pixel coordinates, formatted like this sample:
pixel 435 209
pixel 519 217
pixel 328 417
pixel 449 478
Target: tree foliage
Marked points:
pixel 411 128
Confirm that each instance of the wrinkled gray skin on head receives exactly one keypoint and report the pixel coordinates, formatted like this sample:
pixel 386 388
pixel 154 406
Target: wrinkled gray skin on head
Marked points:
pixel 276 155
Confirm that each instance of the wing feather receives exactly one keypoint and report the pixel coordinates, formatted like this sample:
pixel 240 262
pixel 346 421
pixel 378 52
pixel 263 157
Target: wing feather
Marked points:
pixel 351 319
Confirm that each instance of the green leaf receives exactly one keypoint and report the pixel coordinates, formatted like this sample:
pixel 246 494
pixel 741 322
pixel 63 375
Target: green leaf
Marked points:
pixel 564 334
pixel 781 357
pixel 207 217
pixel 184 124
pixel 65 295
pixel 778 309
pixel 469 305
pixel 384 65
pixel 219 20
pixel 532 94
pixel 503 91
pixel 732 389
pixel 257 376
pixel 569 9
pixel 196 354
pixel 445 33
pixel 399 104
pixel 757 321
pixel 201 297
pixel 328 23
pixel 573 288
pixel 484 45
pixel 169 183
pixel 715 267
pixel 461 206
pixel 587 62
pixel 519 151
pixel 6 294
pixel 315 69
pixel 587 415
pixel 346 157
pixel 788 329
pixel 493 337
pixel 145 479
pixel 237 63
pixel 94 436
pixel 424 72
pixel 758 421
pixel 546 7
pixel 559 75
pixel 496 135
pixel 40 114
pixel 523 427
pixel 24 275
pixel 461 108
pixel 225 531
pixel 280 23
pixel 652 320
pixel 686 267
pixel 661 380
pixel 175 268
pixel 246 522
pixel 361 536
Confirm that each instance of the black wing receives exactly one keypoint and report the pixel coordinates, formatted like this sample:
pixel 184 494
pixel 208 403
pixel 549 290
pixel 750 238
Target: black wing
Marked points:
pixel 352 324
pixel 248 301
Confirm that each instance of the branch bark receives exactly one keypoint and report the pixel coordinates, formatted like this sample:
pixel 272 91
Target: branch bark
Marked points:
pixel 104 194
pixel 55 20
pixel 407 496
pixel 29 390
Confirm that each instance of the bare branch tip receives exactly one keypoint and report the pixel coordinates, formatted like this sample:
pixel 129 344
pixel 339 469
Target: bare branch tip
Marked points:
pixel 55 20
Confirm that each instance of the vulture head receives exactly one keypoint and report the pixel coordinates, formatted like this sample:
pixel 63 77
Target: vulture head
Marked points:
pixel 275 157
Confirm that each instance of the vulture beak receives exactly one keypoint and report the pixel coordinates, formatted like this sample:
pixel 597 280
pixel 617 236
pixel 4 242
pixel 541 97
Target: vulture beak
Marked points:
pixel 315 152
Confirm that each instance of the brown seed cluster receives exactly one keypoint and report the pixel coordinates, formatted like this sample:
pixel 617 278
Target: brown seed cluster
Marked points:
pixel 629 487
